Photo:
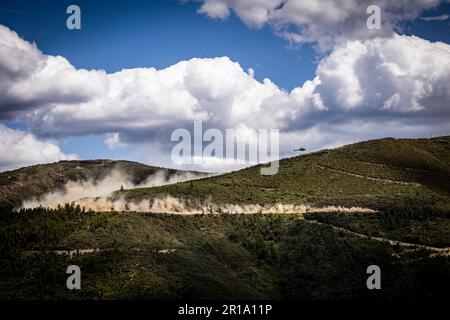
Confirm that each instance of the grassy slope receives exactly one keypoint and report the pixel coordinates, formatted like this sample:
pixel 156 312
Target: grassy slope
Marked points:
pixel 323 178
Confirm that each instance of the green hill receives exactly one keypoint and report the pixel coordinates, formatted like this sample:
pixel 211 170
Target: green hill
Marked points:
pixel 309 256
pixel 18 185
pixel 375 174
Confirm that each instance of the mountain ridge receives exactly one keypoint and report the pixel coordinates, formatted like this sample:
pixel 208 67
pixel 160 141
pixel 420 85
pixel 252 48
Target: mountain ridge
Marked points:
pixel 37 180
pixel 374 174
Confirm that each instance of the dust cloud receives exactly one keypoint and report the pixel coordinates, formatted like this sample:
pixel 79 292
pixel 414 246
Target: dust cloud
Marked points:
pixel 97 196
pixel 101 190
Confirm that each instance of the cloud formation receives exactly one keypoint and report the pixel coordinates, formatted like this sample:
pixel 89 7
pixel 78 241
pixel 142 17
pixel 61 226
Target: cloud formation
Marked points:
pixel 442 17
pixel 30 79
pixel 373 85
pixel 18 149
pixel 400 77
pixel 321 22
pixel 59 100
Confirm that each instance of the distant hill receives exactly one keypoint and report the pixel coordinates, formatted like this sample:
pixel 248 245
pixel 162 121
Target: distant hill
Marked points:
pixel 375 174
pixel 24 183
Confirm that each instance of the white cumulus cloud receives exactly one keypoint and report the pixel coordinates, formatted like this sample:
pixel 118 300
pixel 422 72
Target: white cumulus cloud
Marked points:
pixel 18 149
pixel 322 22
pixel 376 85
pixel 403 76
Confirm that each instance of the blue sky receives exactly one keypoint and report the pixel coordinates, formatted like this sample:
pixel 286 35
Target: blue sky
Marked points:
pixel 119 35
pixel 115 36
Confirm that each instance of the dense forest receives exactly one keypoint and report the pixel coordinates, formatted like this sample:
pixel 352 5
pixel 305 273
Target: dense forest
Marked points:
pixel 128 255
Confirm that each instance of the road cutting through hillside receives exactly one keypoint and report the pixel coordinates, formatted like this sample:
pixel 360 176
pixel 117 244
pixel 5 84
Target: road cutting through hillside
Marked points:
pixel 78 252
pixel 393 166
pixel 413 184
pixel 436 251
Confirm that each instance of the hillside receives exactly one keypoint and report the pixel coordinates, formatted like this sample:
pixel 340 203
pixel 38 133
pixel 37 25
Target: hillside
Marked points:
pixel 375 174
pixel 304 256
pixel 34 181
pixel 133 255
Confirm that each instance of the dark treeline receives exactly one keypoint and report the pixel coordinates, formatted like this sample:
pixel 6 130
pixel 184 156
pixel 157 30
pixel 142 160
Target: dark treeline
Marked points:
pixel 226 256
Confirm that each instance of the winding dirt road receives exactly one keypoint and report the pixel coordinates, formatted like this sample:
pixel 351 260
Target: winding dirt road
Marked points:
pixel 435 250
pixel 413 184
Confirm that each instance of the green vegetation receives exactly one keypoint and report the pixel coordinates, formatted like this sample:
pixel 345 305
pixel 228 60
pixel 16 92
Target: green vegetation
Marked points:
pixel 160 256
pixel 320 255
pixel 376 174
pixel 417 225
